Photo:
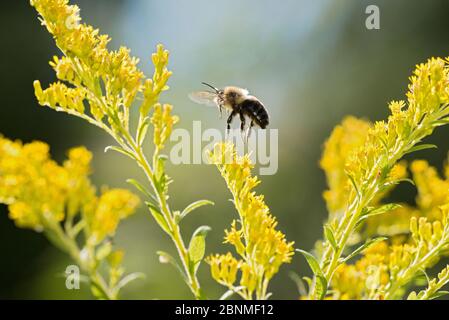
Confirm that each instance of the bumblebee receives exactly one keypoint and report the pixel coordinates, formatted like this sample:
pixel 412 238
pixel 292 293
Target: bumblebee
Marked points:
pixel 236 101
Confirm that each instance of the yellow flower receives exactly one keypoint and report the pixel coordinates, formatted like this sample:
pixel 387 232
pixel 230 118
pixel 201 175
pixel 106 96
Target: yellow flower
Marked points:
pixel 105 81
pixel 154 87
pixel 112 206
pixel 261 247
pixel 433 191
pixel 224 268
pixel 344 139
pixel 40 192
pixel 163 122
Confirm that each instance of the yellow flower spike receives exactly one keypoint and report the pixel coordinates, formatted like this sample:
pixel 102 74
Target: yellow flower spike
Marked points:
pixel 234 237
pixel 113 206
pixel 155 86
pixel 40 194
pixel 344 139
pixel 369 166
pixel 24 216
pixel 163 123
pixel 224 268
pixel 263 248
pixel 248 280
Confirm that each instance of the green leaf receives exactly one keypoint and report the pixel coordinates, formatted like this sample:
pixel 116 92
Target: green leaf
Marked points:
pixel 412 296
pixel 321 282
pixel 329 234
pixel 197 247
pixel 161 178
pixel 164 257
pixel 364 246
pixel 372 211
pixel 142 131
pixel 230 292
pixel 312 261
pixel 379 210
pixel 119 150
pixel 421 147
pixel 320 286
pixel 129 278
pixel 103 251
pixel 160 164
pixel 193 206
pixel 438 294
pixel 141 188
pixel 308 281
pixel 440 122
pixel 159 217
pixel 351 178
pixel 406 180
pixel 299 283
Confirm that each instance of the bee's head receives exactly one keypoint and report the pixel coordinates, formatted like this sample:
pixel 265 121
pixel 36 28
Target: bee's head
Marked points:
pixel 235 95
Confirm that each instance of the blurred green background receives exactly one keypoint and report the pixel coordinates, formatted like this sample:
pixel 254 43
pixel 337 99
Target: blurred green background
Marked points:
pixel 311 62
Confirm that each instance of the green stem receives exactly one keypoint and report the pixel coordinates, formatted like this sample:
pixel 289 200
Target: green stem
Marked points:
pixel 60 239
pixel 176 237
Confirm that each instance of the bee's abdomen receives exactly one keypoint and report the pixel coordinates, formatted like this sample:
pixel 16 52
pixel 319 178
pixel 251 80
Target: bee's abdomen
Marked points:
pixel 256 111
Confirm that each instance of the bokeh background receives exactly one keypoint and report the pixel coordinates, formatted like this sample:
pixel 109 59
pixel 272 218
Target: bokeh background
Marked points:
pixel 311 62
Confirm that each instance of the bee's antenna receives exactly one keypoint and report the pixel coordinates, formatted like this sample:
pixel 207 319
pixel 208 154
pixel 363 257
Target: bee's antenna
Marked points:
pixel 210 86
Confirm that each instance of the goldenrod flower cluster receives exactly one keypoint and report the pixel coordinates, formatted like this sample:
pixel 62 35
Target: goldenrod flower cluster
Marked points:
pixel 347 136
pixel 386 270
pixel 101 86
pixel 362 164
pixel 61 202
pixel 96 83
pixel 419 238
pixel 262 248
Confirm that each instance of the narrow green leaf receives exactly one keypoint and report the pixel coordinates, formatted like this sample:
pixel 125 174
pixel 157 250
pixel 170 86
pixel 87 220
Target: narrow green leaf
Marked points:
pixel 321 286
pixel 308 281
pixel 141 188
pixel 364 246
pixel 142 131
pixel 197 247
pixel 376 211
pixel 312 261
pixel 329 234
pixel 407 180
pixel 440 122
pixel 299 283
pixel 382 209
pixel 193 206
pixel 438 294
pixel 164 257
pixel 103 251
pixel 119 150
pixel 320 280
pixel 129 278
pixel 158 216
pixel 351 178
pixel 420 147
pixel 412 296
pixel 230 292
pixel 161 178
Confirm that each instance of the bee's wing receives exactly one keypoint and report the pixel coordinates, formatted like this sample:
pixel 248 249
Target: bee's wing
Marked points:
pixel 204 97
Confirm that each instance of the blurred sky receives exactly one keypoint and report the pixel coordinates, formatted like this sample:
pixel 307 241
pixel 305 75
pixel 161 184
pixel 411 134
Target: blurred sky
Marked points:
pixel 311 62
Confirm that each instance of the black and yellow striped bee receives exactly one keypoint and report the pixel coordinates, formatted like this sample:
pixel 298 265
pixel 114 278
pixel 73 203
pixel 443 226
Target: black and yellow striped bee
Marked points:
pixel 237 101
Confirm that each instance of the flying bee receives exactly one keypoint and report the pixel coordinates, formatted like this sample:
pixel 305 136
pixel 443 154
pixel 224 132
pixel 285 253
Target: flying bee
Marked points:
pixel 236 101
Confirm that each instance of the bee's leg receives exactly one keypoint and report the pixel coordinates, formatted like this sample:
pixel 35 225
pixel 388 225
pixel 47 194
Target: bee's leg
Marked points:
pixel 221 111
pixel 243 122
pixel 249 130
pixel 228 127
pixel 242 125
